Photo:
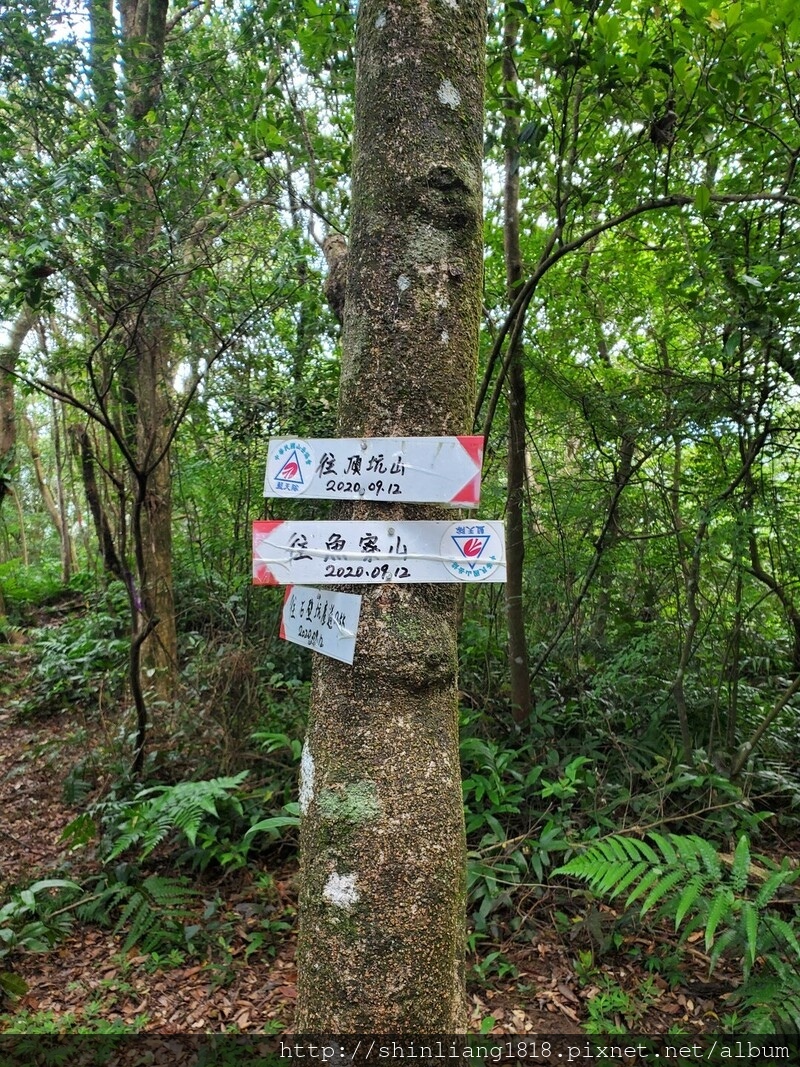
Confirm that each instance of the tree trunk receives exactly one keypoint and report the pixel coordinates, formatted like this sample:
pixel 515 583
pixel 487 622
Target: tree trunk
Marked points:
pixel 144 28
pixel 160 650
pixel 519 671
pixel 140 309
pixel 105 537
pixel 8 424
pixel 69 561
pixel 51 504
pixel 382 931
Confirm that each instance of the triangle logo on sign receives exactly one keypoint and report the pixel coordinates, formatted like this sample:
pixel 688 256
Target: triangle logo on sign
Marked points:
pixel 471 546
pixel 291 470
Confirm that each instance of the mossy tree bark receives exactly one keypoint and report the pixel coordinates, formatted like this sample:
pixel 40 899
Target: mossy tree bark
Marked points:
pixel 383 855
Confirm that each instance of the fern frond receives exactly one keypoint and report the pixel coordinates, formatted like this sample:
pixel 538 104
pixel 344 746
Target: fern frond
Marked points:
pixel 580 866
pixel 770 998
pixel 612 850
pixel 611 877
pixel 158 810
pixel 137 917
pixel 750 920
pixel 775 881
pixel 155 911
pixel 647 852
pixel 688 898
pixel 167 892
pixel 782 934
pixel 788 1011
pixel 688 853
pixel 708 854
pixel 667 850
pixel 652 875
pixel 741 865
pixel 661 889
pixel 696 921
pixel 99 905
pixel 630 846
pixel 721 908
pixel 727 897
pixel 726 939
pixel 634 873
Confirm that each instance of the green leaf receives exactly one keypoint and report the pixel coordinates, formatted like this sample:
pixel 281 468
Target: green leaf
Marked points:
pixel 267 134
pixel 53 883
pixel 702 199
pixel 732 14
pixel 497 829
pixel 532 134
pixel 273 827
pixel 644 54
pixel 36 944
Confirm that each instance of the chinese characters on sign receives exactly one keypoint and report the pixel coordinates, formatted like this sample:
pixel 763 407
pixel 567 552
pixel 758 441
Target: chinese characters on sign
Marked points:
pixel 324 621
pixel 358 553
pixel 435 470
pixel 432 470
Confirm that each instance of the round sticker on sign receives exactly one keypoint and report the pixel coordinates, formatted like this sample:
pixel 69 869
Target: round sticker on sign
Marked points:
pixel 471 551
pixel 290 467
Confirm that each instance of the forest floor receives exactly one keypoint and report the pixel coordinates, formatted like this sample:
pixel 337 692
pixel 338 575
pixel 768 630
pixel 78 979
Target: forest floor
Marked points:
pixel 542 981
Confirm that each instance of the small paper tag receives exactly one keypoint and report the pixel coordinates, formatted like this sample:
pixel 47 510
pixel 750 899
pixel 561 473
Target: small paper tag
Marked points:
pixel 324 621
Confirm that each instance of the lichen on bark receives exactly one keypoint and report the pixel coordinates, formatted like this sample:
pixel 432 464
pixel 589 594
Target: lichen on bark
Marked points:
pixel 386 816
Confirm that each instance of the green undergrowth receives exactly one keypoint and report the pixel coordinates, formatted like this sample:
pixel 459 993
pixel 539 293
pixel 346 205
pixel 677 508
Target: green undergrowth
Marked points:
pixel 747 908
pixel 537 809
pixel 158 853
pixel 79 660
pixel 88 1021
pixel 28 585
pixel 586 774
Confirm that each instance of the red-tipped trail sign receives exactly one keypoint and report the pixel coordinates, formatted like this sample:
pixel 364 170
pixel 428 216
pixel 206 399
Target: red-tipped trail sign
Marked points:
pixel 430 470
pixel 364 553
